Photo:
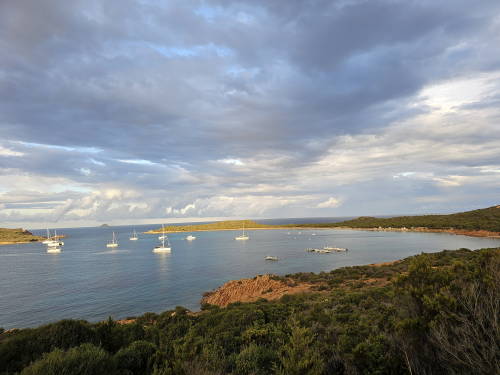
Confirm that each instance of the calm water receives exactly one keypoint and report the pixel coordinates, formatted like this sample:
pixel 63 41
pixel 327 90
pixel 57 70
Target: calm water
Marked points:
pixel 89 281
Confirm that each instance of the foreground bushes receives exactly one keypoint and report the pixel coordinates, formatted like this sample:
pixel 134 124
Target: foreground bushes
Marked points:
pixel 432 314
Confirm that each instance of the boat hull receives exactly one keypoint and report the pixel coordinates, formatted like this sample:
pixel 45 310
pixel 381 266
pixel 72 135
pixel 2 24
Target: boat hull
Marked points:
pixel 162 250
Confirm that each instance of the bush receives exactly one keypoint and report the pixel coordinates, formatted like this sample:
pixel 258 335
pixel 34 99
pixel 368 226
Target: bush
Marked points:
pixel 138 358
pixel 86 359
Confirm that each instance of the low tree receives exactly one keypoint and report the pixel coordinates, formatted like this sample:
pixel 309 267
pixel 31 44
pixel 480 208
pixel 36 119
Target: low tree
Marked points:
pixel 299 356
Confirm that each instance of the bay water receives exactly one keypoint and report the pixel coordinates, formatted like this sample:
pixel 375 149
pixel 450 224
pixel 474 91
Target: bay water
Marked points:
pixel 89 281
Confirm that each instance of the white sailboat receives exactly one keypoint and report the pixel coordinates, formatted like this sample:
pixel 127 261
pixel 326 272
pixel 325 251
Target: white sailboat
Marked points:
pixel 190 238
pixel 56 239
pixel 48 240
pixel 243 236
pixel 113 243
pixel 134 236
pixel 163 248
pixel 162 237
pixel 52 241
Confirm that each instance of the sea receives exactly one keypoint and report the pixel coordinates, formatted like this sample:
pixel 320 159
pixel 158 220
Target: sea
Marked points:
pixel 89 281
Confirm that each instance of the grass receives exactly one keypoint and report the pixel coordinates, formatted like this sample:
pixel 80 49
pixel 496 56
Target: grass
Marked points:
pixel 17 235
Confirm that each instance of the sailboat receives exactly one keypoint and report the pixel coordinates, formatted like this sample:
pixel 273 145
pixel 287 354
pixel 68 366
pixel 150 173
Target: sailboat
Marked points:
pixel 134 236
pixel 113 243
pixel 162 237
pixel 163 248
pixel 56 238
pixel 48 240
pixel 52 241
pixel 243 236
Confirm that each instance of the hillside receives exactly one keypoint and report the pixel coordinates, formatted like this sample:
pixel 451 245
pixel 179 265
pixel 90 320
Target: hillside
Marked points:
pixel 218 225
pixel 486 219
pixel 18 235
pixel 430 313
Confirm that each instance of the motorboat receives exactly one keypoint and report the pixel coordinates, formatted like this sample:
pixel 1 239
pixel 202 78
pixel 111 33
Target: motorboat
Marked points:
pixel 190 238
pixel 271 258
pixel 338 249
pixel 321 251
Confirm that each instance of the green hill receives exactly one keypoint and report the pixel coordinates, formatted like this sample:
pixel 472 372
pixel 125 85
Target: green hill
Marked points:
pixel 218 225
pixel 484 219
pixel 17 235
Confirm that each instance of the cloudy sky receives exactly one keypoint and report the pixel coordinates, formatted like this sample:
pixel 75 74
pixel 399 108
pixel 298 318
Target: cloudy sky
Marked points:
pixel 126 111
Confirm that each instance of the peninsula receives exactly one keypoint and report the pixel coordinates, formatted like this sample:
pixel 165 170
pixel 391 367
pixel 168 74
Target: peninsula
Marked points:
pixel 18 235
pixel 478 223
pixel 216 226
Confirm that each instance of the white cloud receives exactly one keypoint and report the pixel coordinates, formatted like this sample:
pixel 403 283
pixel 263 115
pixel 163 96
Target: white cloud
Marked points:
pixel 331 202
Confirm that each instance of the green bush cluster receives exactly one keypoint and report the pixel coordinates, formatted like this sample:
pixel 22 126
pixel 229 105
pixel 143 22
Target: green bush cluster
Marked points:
pixel 483 219
pixel 436 316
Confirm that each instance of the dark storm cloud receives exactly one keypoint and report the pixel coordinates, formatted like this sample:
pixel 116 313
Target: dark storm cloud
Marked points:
pixel 158 96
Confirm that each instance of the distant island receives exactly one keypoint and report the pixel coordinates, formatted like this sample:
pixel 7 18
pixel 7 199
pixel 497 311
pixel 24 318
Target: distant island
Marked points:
pixel 18 235
pixel 104 225
pixel 479 223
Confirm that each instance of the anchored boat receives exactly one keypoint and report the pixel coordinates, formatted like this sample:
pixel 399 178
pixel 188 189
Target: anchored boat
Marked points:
pixel 163 248
pixel 113 242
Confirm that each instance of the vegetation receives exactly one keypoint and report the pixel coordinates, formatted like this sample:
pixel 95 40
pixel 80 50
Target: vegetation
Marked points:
pixel 218 225
pixel 428 314
pixel 17 236
pixel 484 219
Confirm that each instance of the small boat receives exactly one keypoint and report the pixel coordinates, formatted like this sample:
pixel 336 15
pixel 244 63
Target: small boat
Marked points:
pixel 134 236
pixel 52 241
pixel 243 236
pixel 190 238
pixel 113 242
pixel 163 248
pixel 321 251
pixel 48 240
pixel 338 249
pixel 271 258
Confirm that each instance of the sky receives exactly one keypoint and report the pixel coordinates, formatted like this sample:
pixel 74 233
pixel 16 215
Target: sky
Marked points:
pixel 124 112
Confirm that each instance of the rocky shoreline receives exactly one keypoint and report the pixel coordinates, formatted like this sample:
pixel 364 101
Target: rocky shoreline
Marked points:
pixel 251 290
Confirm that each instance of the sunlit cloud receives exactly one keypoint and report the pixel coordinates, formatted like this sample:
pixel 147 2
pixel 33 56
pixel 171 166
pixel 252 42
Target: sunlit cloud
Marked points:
pixel 213 109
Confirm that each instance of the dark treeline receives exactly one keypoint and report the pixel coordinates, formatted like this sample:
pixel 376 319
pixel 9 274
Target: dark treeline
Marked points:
pixel 428 314
pixel 483 219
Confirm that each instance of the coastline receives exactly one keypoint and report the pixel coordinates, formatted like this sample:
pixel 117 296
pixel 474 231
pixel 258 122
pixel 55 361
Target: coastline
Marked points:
pixel 17 242
pixel 459 232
